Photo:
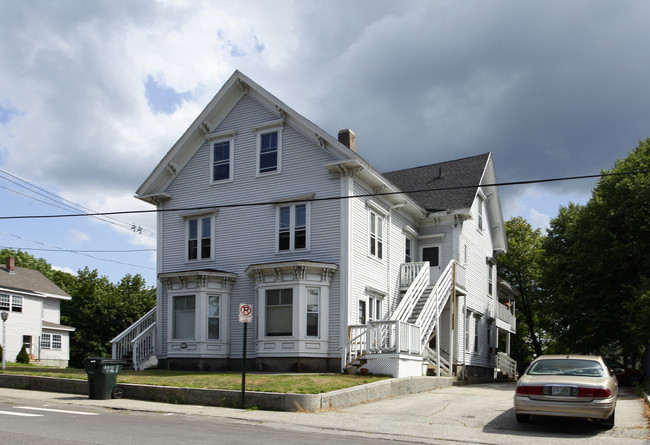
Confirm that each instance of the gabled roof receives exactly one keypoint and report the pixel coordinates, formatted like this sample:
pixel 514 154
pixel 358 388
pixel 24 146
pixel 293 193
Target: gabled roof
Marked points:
pixel 449 185
pixel 212 116
pixel 30 283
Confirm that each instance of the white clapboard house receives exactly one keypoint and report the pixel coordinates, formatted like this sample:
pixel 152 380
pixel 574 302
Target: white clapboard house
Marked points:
pixel 31 303
pixel 345 267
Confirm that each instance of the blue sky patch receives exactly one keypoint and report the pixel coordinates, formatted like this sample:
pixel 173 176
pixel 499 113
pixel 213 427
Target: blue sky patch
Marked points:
pixel 6 114
pixel 163 99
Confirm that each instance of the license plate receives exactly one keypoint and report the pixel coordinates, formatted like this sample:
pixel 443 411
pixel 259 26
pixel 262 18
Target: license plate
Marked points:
pixel 560 391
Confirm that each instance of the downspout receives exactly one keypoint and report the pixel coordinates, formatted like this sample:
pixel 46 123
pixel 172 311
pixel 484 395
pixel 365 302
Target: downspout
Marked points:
pixel 464 335
pixel 388 243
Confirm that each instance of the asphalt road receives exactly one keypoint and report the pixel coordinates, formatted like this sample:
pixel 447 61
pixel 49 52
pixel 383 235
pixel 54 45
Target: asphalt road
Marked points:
pixel 476 414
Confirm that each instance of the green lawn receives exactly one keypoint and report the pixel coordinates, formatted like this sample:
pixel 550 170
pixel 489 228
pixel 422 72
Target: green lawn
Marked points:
pixel 284 383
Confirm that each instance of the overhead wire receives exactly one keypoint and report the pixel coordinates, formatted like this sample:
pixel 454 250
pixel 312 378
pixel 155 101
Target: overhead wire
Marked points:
pixel 330 198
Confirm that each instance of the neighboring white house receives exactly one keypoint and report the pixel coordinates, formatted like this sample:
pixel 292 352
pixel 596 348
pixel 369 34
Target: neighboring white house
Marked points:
pixel 32 302
pixel 344 266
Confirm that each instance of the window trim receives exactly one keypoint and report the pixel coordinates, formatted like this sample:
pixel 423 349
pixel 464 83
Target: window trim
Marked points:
pixel 292 227
pixel 261 131
pixel 480 214
pixel 231 158
pixel 199 218
pixel 375 241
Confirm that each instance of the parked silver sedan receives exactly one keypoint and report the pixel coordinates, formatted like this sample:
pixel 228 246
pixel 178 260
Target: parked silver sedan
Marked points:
pixel 567 386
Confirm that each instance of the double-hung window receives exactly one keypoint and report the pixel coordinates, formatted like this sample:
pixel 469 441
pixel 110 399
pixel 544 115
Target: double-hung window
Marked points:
pixel 279 312
pixel 183 319
pixel 199 238
pixel 269 150
pixel 408 250
pixel 374 303
pixel 214 317
pixel 362 312
pixel 376 235
pixel 293 227
pixel 222 161
pixel 480 216
pixel 313 312
pixel 14 303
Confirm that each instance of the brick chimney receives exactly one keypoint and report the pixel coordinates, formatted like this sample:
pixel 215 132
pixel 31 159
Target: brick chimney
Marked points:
pixel 347 138
pixel 11 264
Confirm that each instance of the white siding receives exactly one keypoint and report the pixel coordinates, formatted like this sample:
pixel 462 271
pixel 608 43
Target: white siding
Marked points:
pixel 246 235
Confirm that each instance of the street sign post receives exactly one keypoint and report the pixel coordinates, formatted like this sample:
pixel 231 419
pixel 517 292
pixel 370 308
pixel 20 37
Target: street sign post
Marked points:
pixel 245 316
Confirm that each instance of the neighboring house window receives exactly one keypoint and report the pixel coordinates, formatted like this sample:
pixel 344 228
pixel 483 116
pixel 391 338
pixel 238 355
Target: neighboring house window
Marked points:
pixel 51 341
pixel 376 235
pixel 467 331
pixel 292 227
pixel 16 304
pixel 214 317
pixel 313 312
pixel 56 342
pixel 408 246
pixel 269 152
pixel 5 302
pixel 480 213
pixel 199 238
pixel 432 255
pixel 222 162
pixel 279 312
pixel 183 319
pixel 13 303
pixel 362 312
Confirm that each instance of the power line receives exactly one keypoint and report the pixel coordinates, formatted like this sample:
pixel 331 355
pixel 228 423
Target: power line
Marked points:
pixel 331 198
pixel 77 250
pixel 53 199
pixel 60 249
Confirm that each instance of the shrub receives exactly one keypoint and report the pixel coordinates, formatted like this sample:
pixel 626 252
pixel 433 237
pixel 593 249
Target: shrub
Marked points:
pixel 22 356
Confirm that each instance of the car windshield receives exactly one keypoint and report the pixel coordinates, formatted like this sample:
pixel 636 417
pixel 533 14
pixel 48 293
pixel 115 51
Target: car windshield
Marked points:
pixel 587 368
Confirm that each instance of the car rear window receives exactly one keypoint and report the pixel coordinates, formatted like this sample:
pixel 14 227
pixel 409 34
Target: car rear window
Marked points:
pixel 587 368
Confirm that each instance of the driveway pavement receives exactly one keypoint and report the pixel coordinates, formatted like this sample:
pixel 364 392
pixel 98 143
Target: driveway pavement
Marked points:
pixel 460 414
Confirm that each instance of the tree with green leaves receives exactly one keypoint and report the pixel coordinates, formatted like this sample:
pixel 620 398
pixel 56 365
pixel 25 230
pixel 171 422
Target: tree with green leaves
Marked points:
pixel 597 263
pixel 521 268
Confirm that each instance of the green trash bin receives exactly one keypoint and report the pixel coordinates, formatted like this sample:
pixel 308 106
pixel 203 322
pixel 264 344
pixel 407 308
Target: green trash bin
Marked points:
pixel 102 377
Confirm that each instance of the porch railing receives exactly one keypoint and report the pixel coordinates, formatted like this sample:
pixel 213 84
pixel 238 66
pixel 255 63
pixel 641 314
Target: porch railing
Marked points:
pixel 506 365
pixel 122 344
pixel 380 337
pixel 505 314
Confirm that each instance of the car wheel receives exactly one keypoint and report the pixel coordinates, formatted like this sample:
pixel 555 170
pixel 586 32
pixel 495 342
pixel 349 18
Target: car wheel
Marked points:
pixel 522 418
pixel 608 423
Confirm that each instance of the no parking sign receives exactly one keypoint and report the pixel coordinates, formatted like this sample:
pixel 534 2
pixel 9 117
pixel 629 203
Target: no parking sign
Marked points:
pixel 245 313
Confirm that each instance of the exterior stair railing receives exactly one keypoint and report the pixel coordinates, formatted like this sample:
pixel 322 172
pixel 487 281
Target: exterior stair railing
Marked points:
pixel 144 330
pixel 506 365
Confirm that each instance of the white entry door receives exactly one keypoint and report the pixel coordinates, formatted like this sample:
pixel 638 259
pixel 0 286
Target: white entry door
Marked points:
pixel 431 253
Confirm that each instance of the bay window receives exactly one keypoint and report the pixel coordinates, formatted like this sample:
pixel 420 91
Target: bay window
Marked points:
pixel 313 312
pixel 279 312
pixel 183 318
pixel 214 317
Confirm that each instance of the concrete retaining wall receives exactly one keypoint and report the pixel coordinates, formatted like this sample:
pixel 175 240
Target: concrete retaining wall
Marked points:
pixel 261 400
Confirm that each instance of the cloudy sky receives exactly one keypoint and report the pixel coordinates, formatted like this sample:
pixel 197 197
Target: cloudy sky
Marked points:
pixel 94 93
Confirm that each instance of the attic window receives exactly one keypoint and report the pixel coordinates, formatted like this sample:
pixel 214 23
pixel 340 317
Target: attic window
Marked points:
pixel 269 150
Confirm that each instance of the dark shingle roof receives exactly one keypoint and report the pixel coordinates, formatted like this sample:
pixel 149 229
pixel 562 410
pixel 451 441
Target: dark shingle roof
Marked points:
pixel 453 183
pixel 28 280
